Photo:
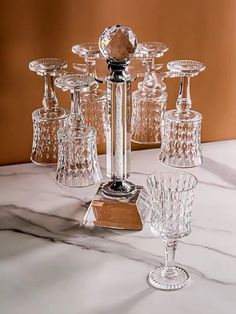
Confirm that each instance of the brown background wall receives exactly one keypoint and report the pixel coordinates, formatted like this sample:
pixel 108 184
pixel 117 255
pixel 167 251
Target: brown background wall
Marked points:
pixel 197 29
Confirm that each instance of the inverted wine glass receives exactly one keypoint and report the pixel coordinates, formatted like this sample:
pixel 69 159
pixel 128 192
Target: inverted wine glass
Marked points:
pixel 181 140
pixel 77 159
pixel 48 119
pixel 93 99
pixel 171 198
pixel 149 101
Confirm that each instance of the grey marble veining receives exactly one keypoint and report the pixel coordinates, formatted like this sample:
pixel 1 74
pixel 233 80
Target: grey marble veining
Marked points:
pixel 50 264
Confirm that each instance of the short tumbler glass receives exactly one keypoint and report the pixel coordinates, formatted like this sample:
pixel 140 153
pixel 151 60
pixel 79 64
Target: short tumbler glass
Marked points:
pixel 171 196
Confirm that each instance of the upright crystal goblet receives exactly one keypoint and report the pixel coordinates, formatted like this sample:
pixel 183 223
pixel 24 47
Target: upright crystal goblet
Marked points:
pixel 181 140
pixel 149 100
pixel 77 159
pixel 48 119
pixel 171 197
pixel 93 99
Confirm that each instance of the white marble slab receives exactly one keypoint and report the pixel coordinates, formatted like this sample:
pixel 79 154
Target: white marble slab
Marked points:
pixel 104 271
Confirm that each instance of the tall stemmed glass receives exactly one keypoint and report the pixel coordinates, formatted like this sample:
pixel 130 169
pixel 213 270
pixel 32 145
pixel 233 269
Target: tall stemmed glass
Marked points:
pixel 77 159
pixel 149 101
pixel 48 119
pixel 181 140
pixel 171 198
pixel 93 99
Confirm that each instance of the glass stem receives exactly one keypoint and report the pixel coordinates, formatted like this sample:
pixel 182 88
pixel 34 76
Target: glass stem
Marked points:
pixel 170 248
pixel 184 102
pixel 91 70
pixel 149 63
pixel 49 98
pixel 75 110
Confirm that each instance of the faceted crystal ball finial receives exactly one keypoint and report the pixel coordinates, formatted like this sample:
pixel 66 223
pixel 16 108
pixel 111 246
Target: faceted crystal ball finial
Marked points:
pixel 47 66
pixel 187 68
pixel 118 43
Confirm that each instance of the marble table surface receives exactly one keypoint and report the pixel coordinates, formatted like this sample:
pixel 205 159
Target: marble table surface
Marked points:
pixel 50 265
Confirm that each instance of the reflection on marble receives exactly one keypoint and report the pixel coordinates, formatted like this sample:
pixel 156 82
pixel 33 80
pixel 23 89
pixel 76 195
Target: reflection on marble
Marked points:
pixel 50 264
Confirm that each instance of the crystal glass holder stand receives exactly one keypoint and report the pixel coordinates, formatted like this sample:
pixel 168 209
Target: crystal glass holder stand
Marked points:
pixel 118 202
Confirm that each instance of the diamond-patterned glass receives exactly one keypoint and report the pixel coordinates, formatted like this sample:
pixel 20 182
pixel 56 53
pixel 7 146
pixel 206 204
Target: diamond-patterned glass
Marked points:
pixel 171 198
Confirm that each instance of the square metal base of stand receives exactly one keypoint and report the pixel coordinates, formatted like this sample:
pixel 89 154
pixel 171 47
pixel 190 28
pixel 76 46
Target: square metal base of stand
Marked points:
pixel 118 213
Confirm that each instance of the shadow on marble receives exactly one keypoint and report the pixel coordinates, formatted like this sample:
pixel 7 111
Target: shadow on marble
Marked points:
pixel 128 304
pixel 225 172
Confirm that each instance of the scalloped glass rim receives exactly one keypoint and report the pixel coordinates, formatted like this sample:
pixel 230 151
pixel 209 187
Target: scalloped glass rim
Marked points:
pixel 151 49
pixel 73 80
pixel 44 65
pixel 87 50
pixel 186 66
pixel 173 175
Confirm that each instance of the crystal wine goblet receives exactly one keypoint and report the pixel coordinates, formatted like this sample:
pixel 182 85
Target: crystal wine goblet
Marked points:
pixel 171 198
pixel 181 140
pixel 149 101
pixel 93 99
pixel 77 157
pixel 48 119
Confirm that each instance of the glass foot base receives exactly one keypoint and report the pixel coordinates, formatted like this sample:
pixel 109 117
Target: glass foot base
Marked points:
pixel 126 213
pixel 180 162
pixel 41 163
pixel 158 281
